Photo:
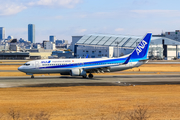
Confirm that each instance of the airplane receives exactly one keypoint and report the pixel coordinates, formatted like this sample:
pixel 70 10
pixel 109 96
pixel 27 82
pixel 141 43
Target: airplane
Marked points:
pixel 80 67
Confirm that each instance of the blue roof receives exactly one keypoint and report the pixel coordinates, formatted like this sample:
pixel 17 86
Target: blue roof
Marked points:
pixel 123 40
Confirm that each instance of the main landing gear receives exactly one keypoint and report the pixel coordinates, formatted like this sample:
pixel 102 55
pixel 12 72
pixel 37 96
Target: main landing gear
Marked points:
pixel 85 76
pixel 90 75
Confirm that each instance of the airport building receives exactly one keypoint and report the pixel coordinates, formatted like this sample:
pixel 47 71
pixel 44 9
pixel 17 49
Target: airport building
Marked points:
pixel 94 51
pixel 103 45
pixel 173 35
pixel 61 54
pixel 16 55
pixel 31 33
pixel 75 39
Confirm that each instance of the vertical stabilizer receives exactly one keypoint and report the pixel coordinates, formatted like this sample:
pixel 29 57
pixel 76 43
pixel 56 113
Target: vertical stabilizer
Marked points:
pixel 141 51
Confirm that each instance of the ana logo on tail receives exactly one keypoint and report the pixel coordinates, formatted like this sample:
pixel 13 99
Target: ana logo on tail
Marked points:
pixel 141 47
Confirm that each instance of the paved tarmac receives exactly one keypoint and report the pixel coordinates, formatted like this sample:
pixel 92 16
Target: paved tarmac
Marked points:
pixel 65 81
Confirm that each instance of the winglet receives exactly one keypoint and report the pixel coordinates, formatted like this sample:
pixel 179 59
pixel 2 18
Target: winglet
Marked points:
pixel 87 56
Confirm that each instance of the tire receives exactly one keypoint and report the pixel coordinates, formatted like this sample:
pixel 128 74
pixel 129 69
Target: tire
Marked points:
pixel 70 73
pixel 85 76
pixel 90 76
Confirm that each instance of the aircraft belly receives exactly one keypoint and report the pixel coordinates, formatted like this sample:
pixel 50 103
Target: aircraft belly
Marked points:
pixel 45 71
pixel 119 68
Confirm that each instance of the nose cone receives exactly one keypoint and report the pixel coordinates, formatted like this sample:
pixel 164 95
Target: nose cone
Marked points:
pixel 20 68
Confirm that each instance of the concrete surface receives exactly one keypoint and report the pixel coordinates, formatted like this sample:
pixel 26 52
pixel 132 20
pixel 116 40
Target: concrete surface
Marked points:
pixel 64 81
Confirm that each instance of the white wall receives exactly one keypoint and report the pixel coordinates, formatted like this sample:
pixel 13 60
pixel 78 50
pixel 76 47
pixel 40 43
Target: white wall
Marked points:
pixel 156 51
pixel 49 45
pixel 75 39
pixel 122 51
pixel 94 51
pixel 171 52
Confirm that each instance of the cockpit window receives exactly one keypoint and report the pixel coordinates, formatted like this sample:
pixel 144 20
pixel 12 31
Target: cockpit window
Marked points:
pixel 26 64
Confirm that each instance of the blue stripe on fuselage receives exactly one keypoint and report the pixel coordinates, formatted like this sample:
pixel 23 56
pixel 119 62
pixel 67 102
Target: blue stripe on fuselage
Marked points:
pixel 86 64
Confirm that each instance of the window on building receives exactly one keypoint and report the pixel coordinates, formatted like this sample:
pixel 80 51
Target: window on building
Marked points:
pixel 87 52
pixel 99 52
pixel 92 52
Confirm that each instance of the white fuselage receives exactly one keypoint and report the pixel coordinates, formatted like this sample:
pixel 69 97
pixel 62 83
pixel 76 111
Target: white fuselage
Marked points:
pixel 63 66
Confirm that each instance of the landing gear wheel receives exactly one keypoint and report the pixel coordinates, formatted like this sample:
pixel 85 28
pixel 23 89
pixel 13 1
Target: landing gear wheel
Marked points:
pixel 90 76
pixel 85 76
pixel 32 76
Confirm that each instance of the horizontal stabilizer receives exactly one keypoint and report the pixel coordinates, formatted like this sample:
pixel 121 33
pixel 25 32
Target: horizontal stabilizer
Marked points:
pixel 144 60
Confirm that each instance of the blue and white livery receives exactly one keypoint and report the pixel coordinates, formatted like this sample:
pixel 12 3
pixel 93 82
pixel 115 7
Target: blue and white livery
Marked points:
pixel 80 67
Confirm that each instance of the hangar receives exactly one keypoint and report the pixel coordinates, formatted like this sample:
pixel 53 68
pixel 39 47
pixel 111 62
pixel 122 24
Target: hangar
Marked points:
pixel 106 45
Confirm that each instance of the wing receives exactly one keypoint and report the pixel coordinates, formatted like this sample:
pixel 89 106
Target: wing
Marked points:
pixel 104 67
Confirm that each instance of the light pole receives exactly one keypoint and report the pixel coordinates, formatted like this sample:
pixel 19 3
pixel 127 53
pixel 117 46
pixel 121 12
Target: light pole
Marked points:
pixel 117 42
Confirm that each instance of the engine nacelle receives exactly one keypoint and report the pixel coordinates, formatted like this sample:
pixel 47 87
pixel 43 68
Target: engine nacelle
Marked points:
pixel 77 72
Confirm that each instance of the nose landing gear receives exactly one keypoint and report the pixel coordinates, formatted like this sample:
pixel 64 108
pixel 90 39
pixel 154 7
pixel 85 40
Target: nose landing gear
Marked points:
pixel 32 76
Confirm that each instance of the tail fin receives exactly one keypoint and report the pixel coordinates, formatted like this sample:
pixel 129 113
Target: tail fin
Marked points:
pixel 141 50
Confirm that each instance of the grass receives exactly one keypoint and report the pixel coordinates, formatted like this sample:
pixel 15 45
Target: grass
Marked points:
pixel 93 102
pixel 158 68
pixel 9 67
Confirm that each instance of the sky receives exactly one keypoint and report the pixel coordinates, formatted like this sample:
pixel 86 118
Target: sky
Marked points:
pixel 67 18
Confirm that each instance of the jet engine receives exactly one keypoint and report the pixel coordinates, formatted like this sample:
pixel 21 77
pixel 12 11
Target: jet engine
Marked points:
pixel 77 72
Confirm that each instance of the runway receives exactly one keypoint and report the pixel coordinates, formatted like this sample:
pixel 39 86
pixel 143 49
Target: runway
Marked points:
pixel 65 81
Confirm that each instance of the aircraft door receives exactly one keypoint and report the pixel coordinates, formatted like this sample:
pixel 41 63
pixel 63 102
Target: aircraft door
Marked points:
pixel 37 64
